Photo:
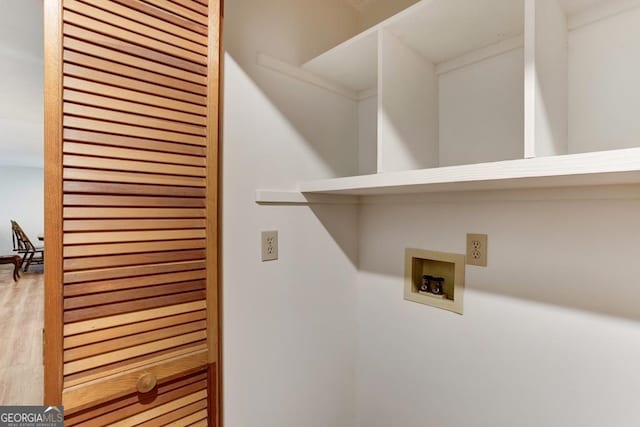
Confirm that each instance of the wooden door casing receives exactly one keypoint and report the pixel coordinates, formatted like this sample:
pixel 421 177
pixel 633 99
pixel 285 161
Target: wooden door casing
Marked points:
pixel 131 179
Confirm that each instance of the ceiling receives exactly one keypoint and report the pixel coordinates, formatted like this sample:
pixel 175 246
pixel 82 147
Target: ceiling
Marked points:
pixel 21 83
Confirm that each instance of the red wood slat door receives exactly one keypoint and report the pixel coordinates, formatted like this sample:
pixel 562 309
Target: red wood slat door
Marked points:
pixel 131 93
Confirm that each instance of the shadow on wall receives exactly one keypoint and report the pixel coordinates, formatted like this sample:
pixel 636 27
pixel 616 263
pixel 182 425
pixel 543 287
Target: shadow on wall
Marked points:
pixel 341 231
pixel 579 254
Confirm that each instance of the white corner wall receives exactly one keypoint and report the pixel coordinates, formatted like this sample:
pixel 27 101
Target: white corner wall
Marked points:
pixel 603 102
pixel 408 107
pixel 484 103
pixel 288 325
pixel 22 195
pixel 550 334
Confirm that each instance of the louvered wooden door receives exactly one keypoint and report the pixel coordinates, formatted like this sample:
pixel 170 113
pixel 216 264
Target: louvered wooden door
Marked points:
pixel 131 333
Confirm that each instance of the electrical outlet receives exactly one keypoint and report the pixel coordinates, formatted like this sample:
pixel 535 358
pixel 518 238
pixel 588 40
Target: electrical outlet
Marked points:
pixel 477 249
pixel 269 245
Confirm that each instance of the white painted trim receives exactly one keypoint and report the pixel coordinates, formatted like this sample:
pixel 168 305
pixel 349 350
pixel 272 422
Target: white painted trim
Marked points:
pixel 298 198
pixel 479 55
pixel 600 192
pixel 305 76
pixel 601 11
pixel 586 169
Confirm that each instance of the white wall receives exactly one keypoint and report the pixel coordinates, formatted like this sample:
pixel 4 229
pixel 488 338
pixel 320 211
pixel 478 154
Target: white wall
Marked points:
pixel 21 83
pixel 288 325
pixel 22 196
pixel 550 334
pixel 603 103
pixel 322 337
pixel 408 107
pixel 21 120
pixel 481 111
pixel 368 136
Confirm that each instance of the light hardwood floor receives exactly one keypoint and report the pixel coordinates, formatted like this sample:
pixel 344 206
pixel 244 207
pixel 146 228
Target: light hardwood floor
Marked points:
pixel 21 323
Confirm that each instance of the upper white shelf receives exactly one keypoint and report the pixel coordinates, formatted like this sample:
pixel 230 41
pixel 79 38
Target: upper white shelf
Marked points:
pixel 464 86
pixel 439 30
pixel 599 168
pixel 444 31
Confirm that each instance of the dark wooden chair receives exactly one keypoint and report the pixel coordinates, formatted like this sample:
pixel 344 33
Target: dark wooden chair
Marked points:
pixel 16 261
pixel 31 254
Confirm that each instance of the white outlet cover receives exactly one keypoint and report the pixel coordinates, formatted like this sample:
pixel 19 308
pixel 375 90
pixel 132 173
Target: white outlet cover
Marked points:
pixel 269 245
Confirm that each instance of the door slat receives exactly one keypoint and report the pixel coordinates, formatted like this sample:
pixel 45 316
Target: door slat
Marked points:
pixel 73 277
pixel 91 124
pixel 148 19
pixel 78 398
pixel 138 51
pixel 125 331
pixel 143 144
pixel 164 15
pixel 176 9
pixel 129 295
pixel 114 261
pixel 81 314
pixel 106 176
pixel 125 342
pixel 161 410
pixel 100 70
pixel 123 407
pixel 132 282
pixel 107 102
pixel 130 60
pixel 143 41
pixel 129 224
pixel 104 372
pixel 131 24
pixel 110 115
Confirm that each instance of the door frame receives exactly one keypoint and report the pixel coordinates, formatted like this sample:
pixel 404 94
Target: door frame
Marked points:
pixel 53 204
pixel 53 261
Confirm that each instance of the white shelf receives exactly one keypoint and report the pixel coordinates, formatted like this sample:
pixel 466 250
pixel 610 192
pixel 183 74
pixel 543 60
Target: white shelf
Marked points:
pixel 487 95
pixel 601 168
pixel 439 30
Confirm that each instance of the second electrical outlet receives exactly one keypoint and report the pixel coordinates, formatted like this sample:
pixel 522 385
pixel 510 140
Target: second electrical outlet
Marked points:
pixel 477 249
pixel 269 245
